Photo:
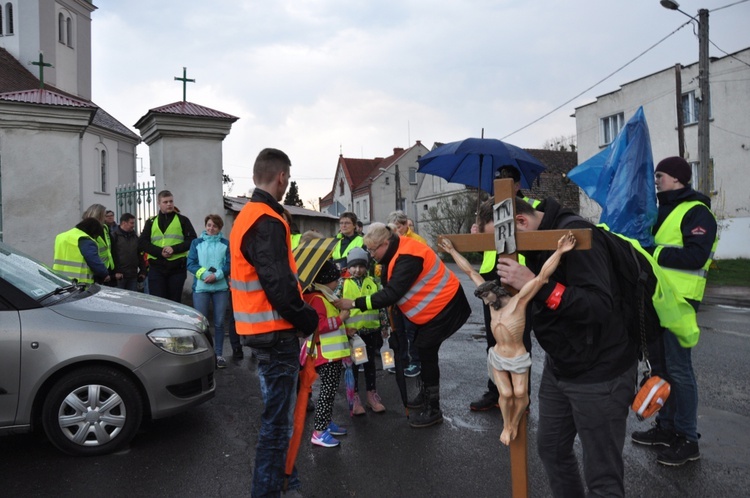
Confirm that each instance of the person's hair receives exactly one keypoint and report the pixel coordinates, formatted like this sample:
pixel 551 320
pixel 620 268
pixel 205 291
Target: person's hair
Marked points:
pixel 268 164
pixel 486 211
pixel 164 193
pixel 310 235
pixel 95 211
pixel 91 227
pixel 508 172
pixel 523 207
pixel 377 234
pixel 492 287
pixel 126 217
pixel 109 211
pixel 397 218
pixel 360 224
pixel 216 219
pixel 350 215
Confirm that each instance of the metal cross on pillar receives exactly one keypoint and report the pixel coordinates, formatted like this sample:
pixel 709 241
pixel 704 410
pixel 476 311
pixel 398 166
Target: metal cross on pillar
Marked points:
pixel 184 80
pixel 41 65
pixel 507 241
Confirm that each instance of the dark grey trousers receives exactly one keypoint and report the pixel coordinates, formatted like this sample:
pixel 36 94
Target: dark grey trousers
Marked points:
pixel 597 413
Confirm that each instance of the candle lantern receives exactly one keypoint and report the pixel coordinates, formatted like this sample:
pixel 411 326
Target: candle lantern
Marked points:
pixel 386 354
pixel 359 352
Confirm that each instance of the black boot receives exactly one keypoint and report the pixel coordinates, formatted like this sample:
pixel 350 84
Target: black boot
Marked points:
pixel 417 402
pixel 430 413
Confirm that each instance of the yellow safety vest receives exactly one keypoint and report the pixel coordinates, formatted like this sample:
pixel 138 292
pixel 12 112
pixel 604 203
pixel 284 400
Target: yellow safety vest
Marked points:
pixel 369 319
pixel 334 345
pixel 489 260
pixel 68 258
pixel 358 241
pixel 171 237
pixel 104 245
pixel 690 284
pixel 295 240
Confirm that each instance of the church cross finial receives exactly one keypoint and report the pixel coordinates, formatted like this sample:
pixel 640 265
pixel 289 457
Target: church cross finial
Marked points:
pixel 41 65
pixel 184 80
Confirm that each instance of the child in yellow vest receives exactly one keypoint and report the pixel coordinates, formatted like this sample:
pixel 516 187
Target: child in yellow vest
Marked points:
pixel 365 323
pixel 332 345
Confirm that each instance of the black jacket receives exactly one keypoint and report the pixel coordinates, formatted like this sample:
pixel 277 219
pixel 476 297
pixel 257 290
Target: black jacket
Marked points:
pixel 125 252
pixel 585 337
pixel 145 245
pixel 264 247
pixel 698 229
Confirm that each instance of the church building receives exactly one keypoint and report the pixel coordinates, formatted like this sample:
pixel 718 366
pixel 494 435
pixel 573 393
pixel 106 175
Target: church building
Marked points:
pixel 59 151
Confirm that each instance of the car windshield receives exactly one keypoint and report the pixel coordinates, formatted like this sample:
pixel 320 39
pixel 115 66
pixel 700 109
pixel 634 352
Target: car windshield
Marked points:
pixel 28 275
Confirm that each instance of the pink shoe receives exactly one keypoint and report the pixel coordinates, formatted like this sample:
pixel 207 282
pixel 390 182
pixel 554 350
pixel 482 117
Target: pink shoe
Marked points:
pixel 373 402
pixel 357 408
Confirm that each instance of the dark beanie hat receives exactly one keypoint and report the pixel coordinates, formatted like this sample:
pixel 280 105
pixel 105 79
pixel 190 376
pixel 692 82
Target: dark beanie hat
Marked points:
pixel 328 273
pixel 676 167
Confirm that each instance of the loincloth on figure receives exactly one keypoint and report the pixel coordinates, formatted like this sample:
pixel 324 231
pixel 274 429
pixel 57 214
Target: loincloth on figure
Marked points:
pixel 518 365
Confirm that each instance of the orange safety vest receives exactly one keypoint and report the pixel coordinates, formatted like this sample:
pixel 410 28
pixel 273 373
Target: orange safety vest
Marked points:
pixel 253 312
pixel 433 289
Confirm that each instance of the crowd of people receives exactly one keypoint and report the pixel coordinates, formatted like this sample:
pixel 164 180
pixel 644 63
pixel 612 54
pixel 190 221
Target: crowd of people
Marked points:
pixel 569 299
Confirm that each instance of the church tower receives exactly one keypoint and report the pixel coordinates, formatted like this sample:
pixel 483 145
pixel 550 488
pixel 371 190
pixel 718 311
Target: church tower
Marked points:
pixel 61 30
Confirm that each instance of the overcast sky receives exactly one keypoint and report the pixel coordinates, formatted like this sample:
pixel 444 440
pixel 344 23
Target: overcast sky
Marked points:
pixel 319 77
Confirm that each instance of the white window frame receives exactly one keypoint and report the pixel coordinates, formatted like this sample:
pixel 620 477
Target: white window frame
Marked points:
pixel 413 176
pixel 609 127
pixel 365 210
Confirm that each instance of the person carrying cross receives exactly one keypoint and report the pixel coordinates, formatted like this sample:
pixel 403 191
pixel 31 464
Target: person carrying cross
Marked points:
pixel 590 367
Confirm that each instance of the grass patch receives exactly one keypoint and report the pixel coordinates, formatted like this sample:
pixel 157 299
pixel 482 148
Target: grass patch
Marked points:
pixel 730 272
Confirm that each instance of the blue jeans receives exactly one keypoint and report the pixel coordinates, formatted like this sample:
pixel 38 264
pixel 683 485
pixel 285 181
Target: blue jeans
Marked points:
pixel 680 412
pixel 278 369
pixel 219 299
pixel 598 414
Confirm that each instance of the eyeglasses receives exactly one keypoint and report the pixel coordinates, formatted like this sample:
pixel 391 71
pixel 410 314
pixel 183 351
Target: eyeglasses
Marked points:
pixel 372 251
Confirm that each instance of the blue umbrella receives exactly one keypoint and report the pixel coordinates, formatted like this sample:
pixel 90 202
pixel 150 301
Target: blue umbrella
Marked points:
pixel 474 161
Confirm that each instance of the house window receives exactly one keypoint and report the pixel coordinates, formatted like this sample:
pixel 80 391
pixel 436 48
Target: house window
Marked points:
pixel 103 171
pixel 691 108
pixel 365 210
pixel 60 28
pixel 413 176
pixel 425 208
pixel 387 180
pixel 610 127
pixel 341 187
pixel 9 18
pixel 357 211
pixel 1 20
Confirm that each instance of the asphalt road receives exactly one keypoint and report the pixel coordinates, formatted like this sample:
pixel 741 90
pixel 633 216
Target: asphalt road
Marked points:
pixel 208 451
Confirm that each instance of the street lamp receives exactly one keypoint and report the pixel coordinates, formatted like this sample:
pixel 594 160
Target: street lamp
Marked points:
pixel 704 144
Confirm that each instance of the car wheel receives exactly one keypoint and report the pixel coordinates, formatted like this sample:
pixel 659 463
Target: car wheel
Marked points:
pixel 92 411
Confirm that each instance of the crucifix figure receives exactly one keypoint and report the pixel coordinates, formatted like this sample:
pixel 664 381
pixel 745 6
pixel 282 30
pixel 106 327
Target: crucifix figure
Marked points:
pixel 508 361
pixel 184 80
pixel 505 240
pixel 41 65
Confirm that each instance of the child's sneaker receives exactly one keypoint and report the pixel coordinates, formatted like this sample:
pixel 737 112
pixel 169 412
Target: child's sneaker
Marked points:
pixel 373 401
pixel 357 408
pixel 324 439
pixel 335 430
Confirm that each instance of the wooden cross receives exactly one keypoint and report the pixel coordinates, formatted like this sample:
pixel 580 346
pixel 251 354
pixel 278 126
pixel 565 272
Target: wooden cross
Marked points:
pixel 41 65
pixel 184 80
pixel 506 241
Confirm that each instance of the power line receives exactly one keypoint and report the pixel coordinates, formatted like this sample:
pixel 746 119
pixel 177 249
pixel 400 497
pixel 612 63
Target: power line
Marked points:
pixel 602 80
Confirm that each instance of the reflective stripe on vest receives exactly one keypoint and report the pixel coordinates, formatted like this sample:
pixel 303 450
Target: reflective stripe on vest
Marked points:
pixel 171 237
pixel 489 259
pixel 333 344
pixel 432 290
pixel 253 312
pixel 68 258
pixel 104 245
pixel 360 320
pixel 690 284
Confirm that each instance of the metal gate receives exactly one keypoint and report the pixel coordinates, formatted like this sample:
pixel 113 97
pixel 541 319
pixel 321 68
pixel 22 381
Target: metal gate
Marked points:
pixel 138 199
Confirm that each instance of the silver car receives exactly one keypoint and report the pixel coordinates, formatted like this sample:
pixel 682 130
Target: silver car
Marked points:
pixel 91 363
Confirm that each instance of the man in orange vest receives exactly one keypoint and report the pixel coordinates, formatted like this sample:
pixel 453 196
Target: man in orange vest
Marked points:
pixel 269 312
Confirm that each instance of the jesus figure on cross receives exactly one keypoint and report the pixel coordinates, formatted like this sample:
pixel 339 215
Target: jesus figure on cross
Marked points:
pixel 508 361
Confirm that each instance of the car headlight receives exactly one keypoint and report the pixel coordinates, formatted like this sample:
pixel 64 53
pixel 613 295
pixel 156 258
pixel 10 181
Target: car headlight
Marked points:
pixel 179 341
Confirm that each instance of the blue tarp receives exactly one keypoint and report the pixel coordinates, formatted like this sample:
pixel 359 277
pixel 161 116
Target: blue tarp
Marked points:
pixel 621 180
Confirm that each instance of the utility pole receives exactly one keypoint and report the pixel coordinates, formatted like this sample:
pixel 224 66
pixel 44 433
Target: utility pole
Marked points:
pixel 398 190
pixel 680 110
pixel 704 143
